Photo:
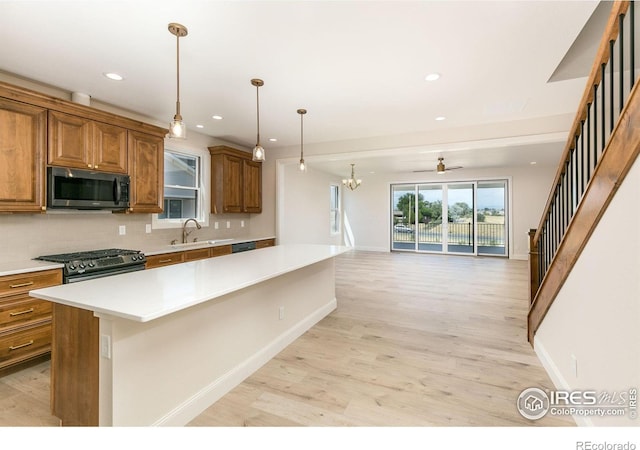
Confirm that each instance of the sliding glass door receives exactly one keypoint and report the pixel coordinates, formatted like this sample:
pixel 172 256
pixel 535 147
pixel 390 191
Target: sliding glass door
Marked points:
pixel 491 216
pixel 460 214
pixel 459 218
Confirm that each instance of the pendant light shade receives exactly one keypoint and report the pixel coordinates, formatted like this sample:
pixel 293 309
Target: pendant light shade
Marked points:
pixel 258 151
pixel 353 182
pixel 177 128
pixel 302 167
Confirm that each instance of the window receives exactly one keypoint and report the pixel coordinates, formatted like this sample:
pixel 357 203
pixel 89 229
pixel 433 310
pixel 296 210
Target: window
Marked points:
pixel 334 208
pixel 182 187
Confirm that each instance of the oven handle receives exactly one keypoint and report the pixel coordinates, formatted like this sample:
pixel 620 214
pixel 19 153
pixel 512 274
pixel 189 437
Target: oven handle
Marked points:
pixel 105 273
pixel 117 191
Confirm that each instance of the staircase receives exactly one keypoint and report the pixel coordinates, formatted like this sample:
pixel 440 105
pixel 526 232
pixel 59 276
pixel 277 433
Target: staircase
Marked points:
pixel 603 144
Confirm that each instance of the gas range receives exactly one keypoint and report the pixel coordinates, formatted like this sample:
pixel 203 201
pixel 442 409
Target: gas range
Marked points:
pixel 81 266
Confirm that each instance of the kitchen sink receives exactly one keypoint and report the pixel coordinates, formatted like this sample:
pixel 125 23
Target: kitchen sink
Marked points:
pixel 201 243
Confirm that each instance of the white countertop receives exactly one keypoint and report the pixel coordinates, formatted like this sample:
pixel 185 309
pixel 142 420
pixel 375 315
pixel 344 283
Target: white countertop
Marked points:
pixel 149 294
pixel 13 267
pixel 215 242
pixel 26 266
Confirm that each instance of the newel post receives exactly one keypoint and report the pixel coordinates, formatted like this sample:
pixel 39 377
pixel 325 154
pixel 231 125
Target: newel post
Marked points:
pixel 533 266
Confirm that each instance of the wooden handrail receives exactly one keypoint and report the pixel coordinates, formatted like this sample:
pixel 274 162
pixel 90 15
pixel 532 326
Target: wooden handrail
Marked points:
pixel 602 57
pixel 621 152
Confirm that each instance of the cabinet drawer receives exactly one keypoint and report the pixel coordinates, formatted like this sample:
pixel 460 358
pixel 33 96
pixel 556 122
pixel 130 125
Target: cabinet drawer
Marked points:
pixel 221 250
pixel 265 243
pixel 24 344
pixel 200 253
pixel 165 259
pixel 24 282
pixel 21 310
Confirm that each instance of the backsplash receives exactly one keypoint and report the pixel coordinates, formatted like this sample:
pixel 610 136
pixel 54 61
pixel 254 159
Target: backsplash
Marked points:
pixel 26 236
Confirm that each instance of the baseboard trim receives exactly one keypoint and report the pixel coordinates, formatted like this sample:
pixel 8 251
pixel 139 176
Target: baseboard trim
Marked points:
pixel 195 405
pixel 556 378
pixel 519 257
pixel 372 249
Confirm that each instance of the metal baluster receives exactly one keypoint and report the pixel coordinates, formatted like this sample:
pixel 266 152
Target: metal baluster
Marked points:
pixel 595 125
pixel 604 98
pixel 588 142
pixel 611 90
pixel 621 51
pixel 581 158
pixel 632 33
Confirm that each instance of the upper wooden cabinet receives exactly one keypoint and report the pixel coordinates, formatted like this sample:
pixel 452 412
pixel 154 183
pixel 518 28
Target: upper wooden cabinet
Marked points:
pixel 76 136
pixel 23 132
pixel 86 144
pixel 236 181
pixel 146 168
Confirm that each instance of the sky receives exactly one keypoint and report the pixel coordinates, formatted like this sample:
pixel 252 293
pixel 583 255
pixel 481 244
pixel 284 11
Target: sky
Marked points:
pixel 488 197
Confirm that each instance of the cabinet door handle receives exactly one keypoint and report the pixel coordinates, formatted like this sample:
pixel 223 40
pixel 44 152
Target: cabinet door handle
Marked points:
pixel 13 286
pixel 16 347
pixel 26 311
pixel 165 260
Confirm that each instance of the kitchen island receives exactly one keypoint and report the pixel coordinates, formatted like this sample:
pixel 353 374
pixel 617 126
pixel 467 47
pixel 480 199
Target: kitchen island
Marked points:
pixel 159 346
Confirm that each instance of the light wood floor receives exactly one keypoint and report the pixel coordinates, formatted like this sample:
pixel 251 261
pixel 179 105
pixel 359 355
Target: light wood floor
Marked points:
pixel 417 340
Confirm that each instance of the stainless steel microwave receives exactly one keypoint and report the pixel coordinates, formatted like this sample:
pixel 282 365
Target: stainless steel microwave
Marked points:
pixel 85 189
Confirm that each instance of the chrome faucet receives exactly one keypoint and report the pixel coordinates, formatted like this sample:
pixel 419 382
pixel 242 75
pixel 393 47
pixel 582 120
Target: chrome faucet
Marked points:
pixel 186 233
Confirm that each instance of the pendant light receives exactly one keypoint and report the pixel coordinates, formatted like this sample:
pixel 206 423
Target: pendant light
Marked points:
pixel 352 183
pixel 302 167
pixel 177 128
pixel 258 151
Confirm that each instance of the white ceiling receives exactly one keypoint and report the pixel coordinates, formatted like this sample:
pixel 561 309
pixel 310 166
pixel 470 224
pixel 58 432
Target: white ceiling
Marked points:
pixel 358 67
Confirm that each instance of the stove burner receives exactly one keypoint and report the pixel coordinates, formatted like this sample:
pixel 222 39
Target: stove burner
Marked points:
pixel 80 266
pixel 92 254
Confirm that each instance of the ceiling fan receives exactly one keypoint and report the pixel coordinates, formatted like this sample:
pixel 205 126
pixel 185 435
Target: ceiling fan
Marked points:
pixel 440 168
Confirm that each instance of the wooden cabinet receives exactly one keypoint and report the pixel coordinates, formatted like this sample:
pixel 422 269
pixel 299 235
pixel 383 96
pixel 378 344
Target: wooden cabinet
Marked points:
pixel 25 323
pixel 220 251
pixel 82 143
pixel 265 243
pixel 23 131
pixel 195 254
pixel 165 259
pixel 236 181
pixel 146 169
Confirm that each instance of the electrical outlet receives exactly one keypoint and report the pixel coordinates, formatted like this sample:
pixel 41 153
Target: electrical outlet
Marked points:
pixel 122 230
pixel 228 224
pixel 281 313
pixel 215 225
pixel 574 365
pixel 105 346
pixel 242 223
pixel 147 228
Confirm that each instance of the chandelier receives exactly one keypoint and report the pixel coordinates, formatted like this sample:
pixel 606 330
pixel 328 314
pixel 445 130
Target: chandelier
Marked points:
pixel 353 182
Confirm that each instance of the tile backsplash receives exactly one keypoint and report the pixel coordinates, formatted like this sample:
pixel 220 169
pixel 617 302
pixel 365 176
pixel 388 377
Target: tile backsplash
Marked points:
pixel 25 236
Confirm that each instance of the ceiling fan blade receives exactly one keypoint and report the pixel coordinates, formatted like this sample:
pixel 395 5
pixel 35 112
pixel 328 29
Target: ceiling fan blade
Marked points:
pixel 423 170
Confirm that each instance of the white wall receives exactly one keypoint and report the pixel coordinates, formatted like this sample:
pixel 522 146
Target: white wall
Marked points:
pixel 303 206
pixel 368 208
pixel 596 316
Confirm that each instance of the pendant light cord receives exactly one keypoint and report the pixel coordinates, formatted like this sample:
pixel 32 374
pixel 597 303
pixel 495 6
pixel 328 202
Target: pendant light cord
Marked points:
pixel 258 114
pixel 178 75
pixel 301 138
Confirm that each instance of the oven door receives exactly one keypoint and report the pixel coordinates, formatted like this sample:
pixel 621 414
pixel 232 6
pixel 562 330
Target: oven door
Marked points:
pixel 102 273
pixel 84 189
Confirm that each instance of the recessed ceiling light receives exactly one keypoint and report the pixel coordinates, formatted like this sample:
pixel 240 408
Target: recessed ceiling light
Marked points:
pixel 533 163
pixel 114 76
pixel 432 77
pixel 273 140
pixel 216 117
pixel 440 118
pixel 199 126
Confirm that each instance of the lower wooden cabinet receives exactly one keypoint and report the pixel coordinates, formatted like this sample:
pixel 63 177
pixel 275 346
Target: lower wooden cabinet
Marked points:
pixel 25 323
pixel 164 259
